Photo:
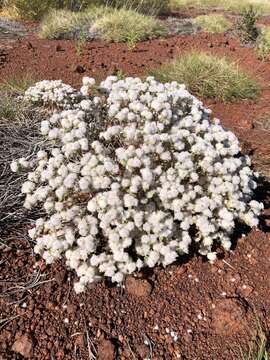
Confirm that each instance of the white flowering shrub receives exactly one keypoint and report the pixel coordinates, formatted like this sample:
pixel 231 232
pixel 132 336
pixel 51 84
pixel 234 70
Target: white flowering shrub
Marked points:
pixel 133 178
pixel 56 93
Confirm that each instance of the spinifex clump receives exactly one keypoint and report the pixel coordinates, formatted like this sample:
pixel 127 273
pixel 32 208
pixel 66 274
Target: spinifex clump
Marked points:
pixel 132 178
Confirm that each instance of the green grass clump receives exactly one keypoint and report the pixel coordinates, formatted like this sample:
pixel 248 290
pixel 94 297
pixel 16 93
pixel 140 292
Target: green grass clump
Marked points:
pixel 128 26
pixel 263 43
pixel 258 347
pixel 213 23
pixel 9 109
pixel 208 76
pixel 247 28
pixel 17 85
pixel 262 6
pixel 58 22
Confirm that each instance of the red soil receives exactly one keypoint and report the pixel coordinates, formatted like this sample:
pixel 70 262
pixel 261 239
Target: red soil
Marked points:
pixel 211 309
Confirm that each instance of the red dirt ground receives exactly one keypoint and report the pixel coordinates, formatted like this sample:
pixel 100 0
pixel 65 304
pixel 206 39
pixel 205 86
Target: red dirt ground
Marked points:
pixel 211 310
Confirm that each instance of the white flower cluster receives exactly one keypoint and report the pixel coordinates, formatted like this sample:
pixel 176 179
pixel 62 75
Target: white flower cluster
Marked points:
pixel 55 92
pixel 159 177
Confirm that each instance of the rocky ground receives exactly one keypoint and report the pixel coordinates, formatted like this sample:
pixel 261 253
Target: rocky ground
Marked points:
pixel 190 310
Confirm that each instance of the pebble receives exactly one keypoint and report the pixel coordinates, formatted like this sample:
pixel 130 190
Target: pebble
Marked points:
pixel 106 350
pixel 138 287
pixel 23 346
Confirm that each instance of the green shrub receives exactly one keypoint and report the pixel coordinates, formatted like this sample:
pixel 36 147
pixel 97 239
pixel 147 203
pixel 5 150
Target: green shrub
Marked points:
pixel 263 44
pixel 247 28
pixel 123 25
pixel 209 76
pixel 213 23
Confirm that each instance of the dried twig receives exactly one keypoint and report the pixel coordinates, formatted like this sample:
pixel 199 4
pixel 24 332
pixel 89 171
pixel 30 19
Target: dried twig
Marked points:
pixel 4 322
pixel 20 287
pixel 90 346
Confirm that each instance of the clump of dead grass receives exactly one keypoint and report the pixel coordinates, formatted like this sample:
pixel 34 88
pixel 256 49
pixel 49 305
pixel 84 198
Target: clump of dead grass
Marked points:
pixel 19 128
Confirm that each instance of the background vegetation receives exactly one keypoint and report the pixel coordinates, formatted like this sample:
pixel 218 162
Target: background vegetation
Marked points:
pixel 36 9
pixel 262 6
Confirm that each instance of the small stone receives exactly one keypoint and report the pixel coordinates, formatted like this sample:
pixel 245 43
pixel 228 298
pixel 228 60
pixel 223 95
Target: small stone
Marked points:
pixel 142 350
pixel 80 341
pixel 228 317
pixel 138 287
pixel 23 346
pixel 106 350
pixel 59 48
pixel 245 290
pixel 80 69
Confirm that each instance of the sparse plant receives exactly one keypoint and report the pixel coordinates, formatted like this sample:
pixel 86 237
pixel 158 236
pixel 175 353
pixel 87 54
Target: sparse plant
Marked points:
pixel 263 122
pixel 134 177
pixel 80 42
pixel 120 75
pixel 132 40
pixel 209 76
pixel 17 85
pixel 263 43
pixel 247 28
pixel 259 346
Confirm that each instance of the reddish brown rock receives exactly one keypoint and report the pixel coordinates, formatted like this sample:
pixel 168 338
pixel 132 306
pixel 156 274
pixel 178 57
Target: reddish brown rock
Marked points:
pixel 138 287
pixel 106 350
pixel 143 351
pixel 228 317
pixel 23 346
